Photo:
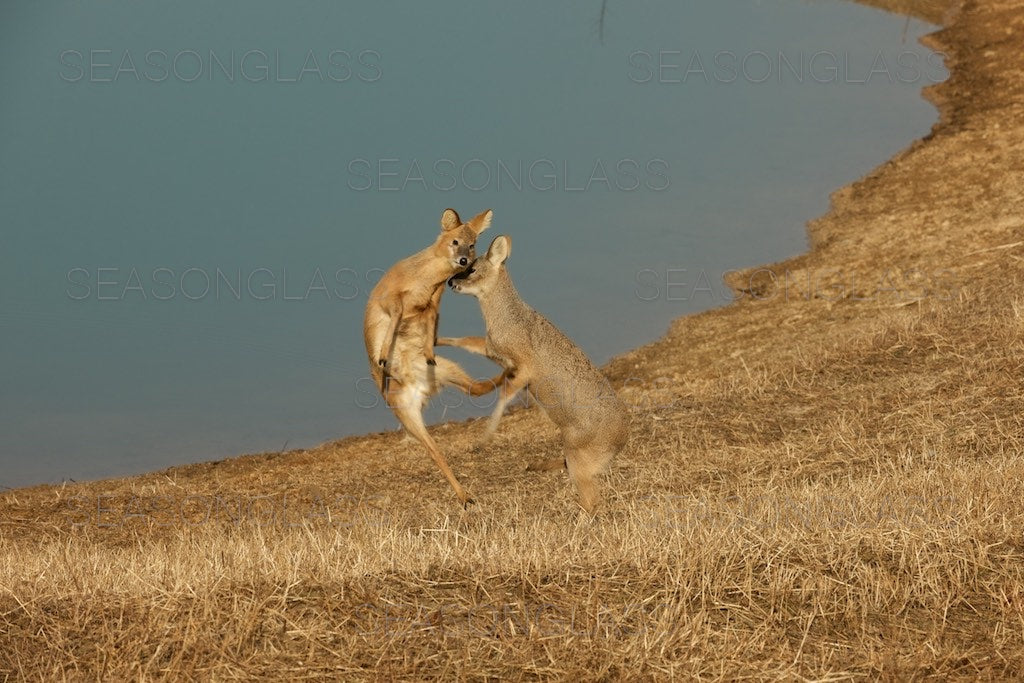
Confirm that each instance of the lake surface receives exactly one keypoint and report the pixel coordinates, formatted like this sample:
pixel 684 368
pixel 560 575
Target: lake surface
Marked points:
pixel 195 197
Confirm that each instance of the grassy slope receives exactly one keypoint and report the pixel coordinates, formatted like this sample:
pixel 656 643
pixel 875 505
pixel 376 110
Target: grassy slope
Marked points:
pixel 824 480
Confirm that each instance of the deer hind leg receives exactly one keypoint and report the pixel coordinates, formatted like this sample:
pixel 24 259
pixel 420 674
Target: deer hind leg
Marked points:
pixel 408 409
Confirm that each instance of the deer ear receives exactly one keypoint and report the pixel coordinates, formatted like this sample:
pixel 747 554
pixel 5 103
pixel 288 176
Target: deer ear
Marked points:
pixel 450 220
pixel 499 250
pixel 482 221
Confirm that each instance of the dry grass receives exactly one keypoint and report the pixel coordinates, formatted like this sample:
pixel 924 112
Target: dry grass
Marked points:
pixel 823 482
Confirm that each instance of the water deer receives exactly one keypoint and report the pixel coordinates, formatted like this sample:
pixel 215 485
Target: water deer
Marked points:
pixel 400 330
pixel 537 356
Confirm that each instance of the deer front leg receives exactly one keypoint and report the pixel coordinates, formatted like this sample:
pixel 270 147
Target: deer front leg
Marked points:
pixel 511 386
pixel 471 344
pixel 430 338
pixel 433 313
pixel 388 343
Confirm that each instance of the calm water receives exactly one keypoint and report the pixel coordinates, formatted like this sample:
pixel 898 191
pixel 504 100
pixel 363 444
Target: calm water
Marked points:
pixel 195 198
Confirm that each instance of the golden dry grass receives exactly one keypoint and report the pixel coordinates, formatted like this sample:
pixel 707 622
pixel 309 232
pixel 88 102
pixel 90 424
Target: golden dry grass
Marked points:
pixel 824 481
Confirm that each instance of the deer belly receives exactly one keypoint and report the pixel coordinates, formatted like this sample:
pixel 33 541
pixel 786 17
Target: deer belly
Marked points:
pixel 417 378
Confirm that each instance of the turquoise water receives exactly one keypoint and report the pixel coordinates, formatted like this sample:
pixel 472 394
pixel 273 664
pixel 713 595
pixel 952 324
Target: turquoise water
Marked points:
pixel 196 198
